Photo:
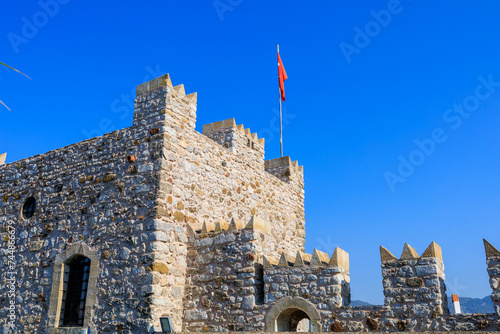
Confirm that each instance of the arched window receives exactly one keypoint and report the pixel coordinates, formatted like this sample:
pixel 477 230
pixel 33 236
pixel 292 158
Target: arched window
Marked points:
pixel 74 285
pixel 76 280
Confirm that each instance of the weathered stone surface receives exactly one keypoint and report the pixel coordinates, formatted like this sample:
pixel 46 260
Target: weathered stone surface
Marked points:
pixel 340 259
pixel 150 205
pixel 106 254
pixel 409 253
pixel 427 270
pixel 337 327
pixel 35 246
pixel 196 315
pixel 372 324
pixel 285 260
pixel 224 238
pixel 299 262
pixel 386 255
pixel 221 296
pixel 319 258
pixel 414 282
pixel 159 267
pixel 493 261
pixel 109 177
pixel 248 302
pixel 257 223
pixel 434 251
pixel 125 253
pixel 491 251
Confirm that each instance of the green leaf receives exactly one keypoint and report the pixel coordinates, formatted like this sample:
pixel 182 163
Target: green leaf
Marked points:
pixel 12 68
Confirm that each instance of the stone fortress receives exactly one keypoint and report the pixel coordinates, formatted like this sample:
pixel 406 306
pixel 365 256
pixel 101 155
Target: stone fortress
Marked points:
pixel 157 219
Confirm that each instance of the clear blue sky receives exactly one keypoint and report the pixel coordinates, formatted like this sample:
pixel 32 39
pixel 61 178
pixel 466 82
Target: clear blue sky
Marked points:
pixel 356 103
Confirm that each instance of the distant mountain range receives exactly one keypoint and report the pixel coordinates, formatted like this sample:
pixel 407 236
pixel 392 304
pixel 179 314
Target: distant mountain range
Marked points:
pixel 473 305
pixel 359 303
pixel 467 305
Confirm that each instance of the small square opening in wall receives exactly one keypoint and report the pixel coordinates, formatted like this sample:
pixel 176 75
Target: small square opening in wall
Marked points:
pixel 166 325
pixel 29 207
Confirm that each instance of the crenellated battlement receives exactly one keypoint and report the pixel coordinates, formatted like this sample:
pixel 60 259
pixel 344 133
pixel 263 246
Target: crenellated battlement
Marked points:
pixel 318 259
pixel 322 280
pixel 138 195
pixel 209 228
pixel 415 296
pixel 219 174
pixel 237 139
pixel 409 253
pixel 214 131
pixel 285 169
pixel 197 227
pixel 158 101
pixel 413 284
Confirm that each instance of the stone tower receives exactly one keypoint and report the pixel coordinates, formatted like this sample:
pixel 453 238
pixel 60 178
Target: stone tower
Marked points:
pixel 127 202
pixel 159 220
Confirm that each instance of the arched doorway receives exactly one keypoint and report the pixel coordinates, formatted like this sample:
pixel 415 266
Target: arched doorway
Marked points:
pixel 293 320
pixel 293 315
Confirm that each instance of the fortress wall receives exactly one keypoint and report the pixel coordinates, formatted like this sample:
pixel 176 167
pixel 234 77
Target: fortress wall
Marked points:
pixel 225 290
pixel 415 297
pixel 413 284
pixel 159 209
pixel 232 283
pixel 319 280
pixel 414 291
pixel 382 319
pixel 202 180
pixel 134 213
pixel 85 193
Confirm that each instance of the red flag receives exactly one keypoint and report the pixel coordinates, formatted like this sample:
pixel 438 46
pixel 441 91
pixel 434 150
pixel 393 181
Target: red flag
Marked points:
pixel 282 77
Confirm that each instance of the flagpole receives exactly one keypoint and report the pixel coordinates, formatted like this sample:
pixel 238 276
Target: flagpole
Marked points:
pixel 281 126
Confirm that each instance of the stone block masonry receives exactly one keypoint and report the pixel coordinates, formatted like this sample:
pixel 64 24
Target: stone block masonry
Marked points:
pixel 237 139
pixel 130 196
pixel 85 193
pixel 194 226
pixel 323 282
pixel 225 282
pixel 493 262
pixel 233 285
pixel 415 298
pixel 414 285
